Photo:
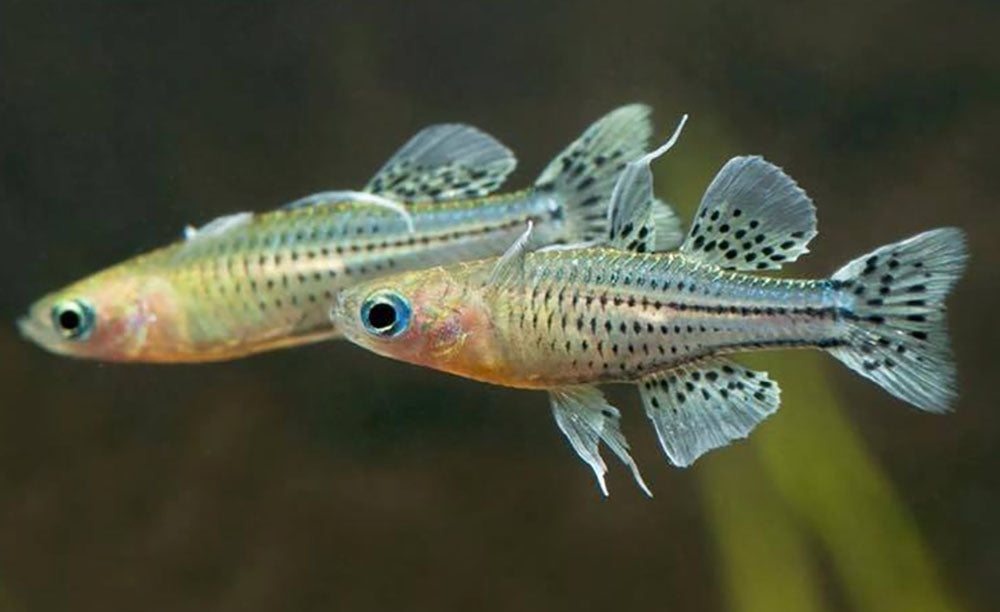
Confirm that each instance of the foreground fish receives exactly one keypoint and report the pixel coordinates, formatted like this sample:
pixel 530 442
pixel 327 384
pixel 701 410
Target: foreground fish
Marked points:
pixel 563 320
pixel 248 282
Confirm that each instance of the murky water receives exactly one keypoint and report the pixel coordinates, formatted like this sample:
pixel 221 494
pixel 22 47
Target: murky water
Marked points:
pixel 328 478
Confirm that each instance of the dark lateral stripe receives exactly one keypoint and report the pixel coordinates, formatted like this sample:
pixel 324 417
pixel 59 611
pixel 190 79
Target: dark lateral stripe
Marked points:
pixel 823 343
pixel 427 239
pixel 644 302
pixel 718 350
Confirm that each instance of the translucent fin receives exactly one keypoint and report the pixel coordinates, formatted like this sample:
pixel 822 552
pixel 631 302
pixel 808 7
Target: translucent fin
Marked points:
pixel 631 209
pixel 587 419
pixel 581 178
pixel 353 197
pixel 752 217
pixel 634 212
pixel 444 162
pixel 668 232
pixel 509 269
pixel 897 334
pixel 706 405
pixel 217 226
pixel 570 247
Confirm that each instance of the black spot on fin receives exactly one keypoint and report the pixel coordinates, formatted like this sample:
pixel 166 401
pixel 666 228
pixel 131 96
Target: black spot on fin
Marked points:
pixel 640 222
pixel 444 162
pixel 896 333
pixel 698 407
pixel 580 179
pixel 753 216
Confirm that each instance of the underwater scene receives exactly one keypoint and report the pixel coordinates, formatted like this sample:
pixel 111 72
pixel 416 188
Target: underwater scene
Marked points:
pixel 523 306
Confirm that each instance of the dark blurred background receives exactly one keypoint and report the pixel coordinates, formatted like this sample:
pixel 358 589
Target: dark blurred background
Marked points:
pixel 326 478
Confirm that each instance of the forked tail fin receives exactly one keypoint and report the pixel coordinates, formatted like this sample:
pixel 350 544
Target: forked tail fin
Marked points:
pixel 582 176
pixel 896 330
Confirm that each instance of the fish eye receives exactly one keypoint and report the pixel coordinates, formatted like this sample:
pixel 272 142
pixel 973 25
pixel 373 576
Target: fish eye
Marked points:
pixel 74 319
pixel 385 314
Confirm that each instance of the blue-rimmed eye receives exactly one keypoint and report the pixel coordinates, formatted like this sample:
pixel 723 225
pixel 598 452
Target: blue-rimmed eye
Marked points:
pixel 385 314
pixel 73 319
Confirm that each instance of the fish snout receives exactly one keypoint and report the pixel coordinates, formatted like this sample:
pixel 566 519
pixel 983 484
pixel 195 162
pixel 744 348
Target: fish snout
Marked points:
pixel 29 328
pixel 23 324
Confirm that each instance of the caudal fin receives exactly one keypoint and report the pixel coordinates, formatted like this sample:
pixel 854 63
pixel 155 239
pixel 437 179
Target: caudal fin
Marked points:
pixel 897 334
pixel 582 176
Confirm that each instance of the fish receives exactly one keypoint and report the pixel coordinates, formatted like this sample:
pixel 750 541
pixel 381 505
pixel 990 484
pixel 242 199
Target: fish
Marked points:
pixel 664 310
pixel 246 283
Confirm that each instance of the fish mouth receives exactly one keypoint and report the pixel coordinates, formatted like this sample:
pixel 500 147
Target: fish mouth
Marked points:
pixel 29 328
pixel 38 333
pixel 34 332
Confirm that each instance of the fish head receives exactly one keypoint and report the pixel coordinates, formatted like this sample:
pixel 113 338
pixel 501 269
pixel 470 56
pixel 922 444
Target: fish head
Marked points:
pixel 111 316
pixel 436 318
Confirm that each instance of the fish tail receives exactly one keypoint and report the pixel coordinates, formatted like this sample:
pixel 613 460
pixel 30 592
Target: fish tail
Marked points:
pixel 896 335
pixel 583 175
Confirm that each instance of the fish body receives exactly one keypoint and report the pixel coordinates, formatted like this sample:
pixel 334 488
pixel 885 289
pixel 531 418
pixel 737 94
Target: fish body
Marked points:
pixel 599 315
pixel 665 313
pixel 247 283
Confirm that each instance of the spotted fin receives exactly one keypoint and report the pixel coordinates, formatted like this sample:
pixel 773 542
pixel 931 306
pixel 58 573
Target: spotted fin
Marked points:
pixel 752 217
pixel 444 162
pixel 698 407
pixel 360 198
pixel 896 330
pixel 587 419
pixel 580 179
pixel 638 221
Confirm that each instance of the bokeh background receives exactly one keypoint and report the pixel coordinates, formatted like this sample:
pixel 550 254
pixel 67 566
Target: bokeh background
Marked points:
pixel 325 478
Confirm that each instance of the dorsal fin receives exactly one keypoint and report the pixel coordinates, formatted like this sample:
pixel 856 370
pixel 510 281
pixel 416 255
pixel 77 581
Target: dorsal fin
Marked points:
pixel 752 217
pixel 353 197
pixel 638 221
pixel 668 231
pixel 582 176
pixel 509 269
pixel 217 226
pixel 444 162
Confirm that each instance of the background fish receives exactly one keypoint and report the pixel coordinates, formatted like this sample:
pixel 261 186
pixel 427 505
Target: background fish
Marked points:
pixel 246 283
pixel 563 320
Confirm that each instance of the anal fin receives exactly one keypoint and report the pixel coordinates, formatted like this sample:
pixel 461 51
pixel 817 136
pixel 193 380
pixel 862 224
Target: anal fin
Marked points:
pixel 587 419
pixel 698 407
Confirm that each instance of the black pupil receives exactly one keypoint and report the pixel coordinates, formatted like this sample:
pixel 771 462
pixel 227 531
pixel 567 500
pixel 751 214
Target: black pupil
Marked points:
pixel 381 316
pixel 69 319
